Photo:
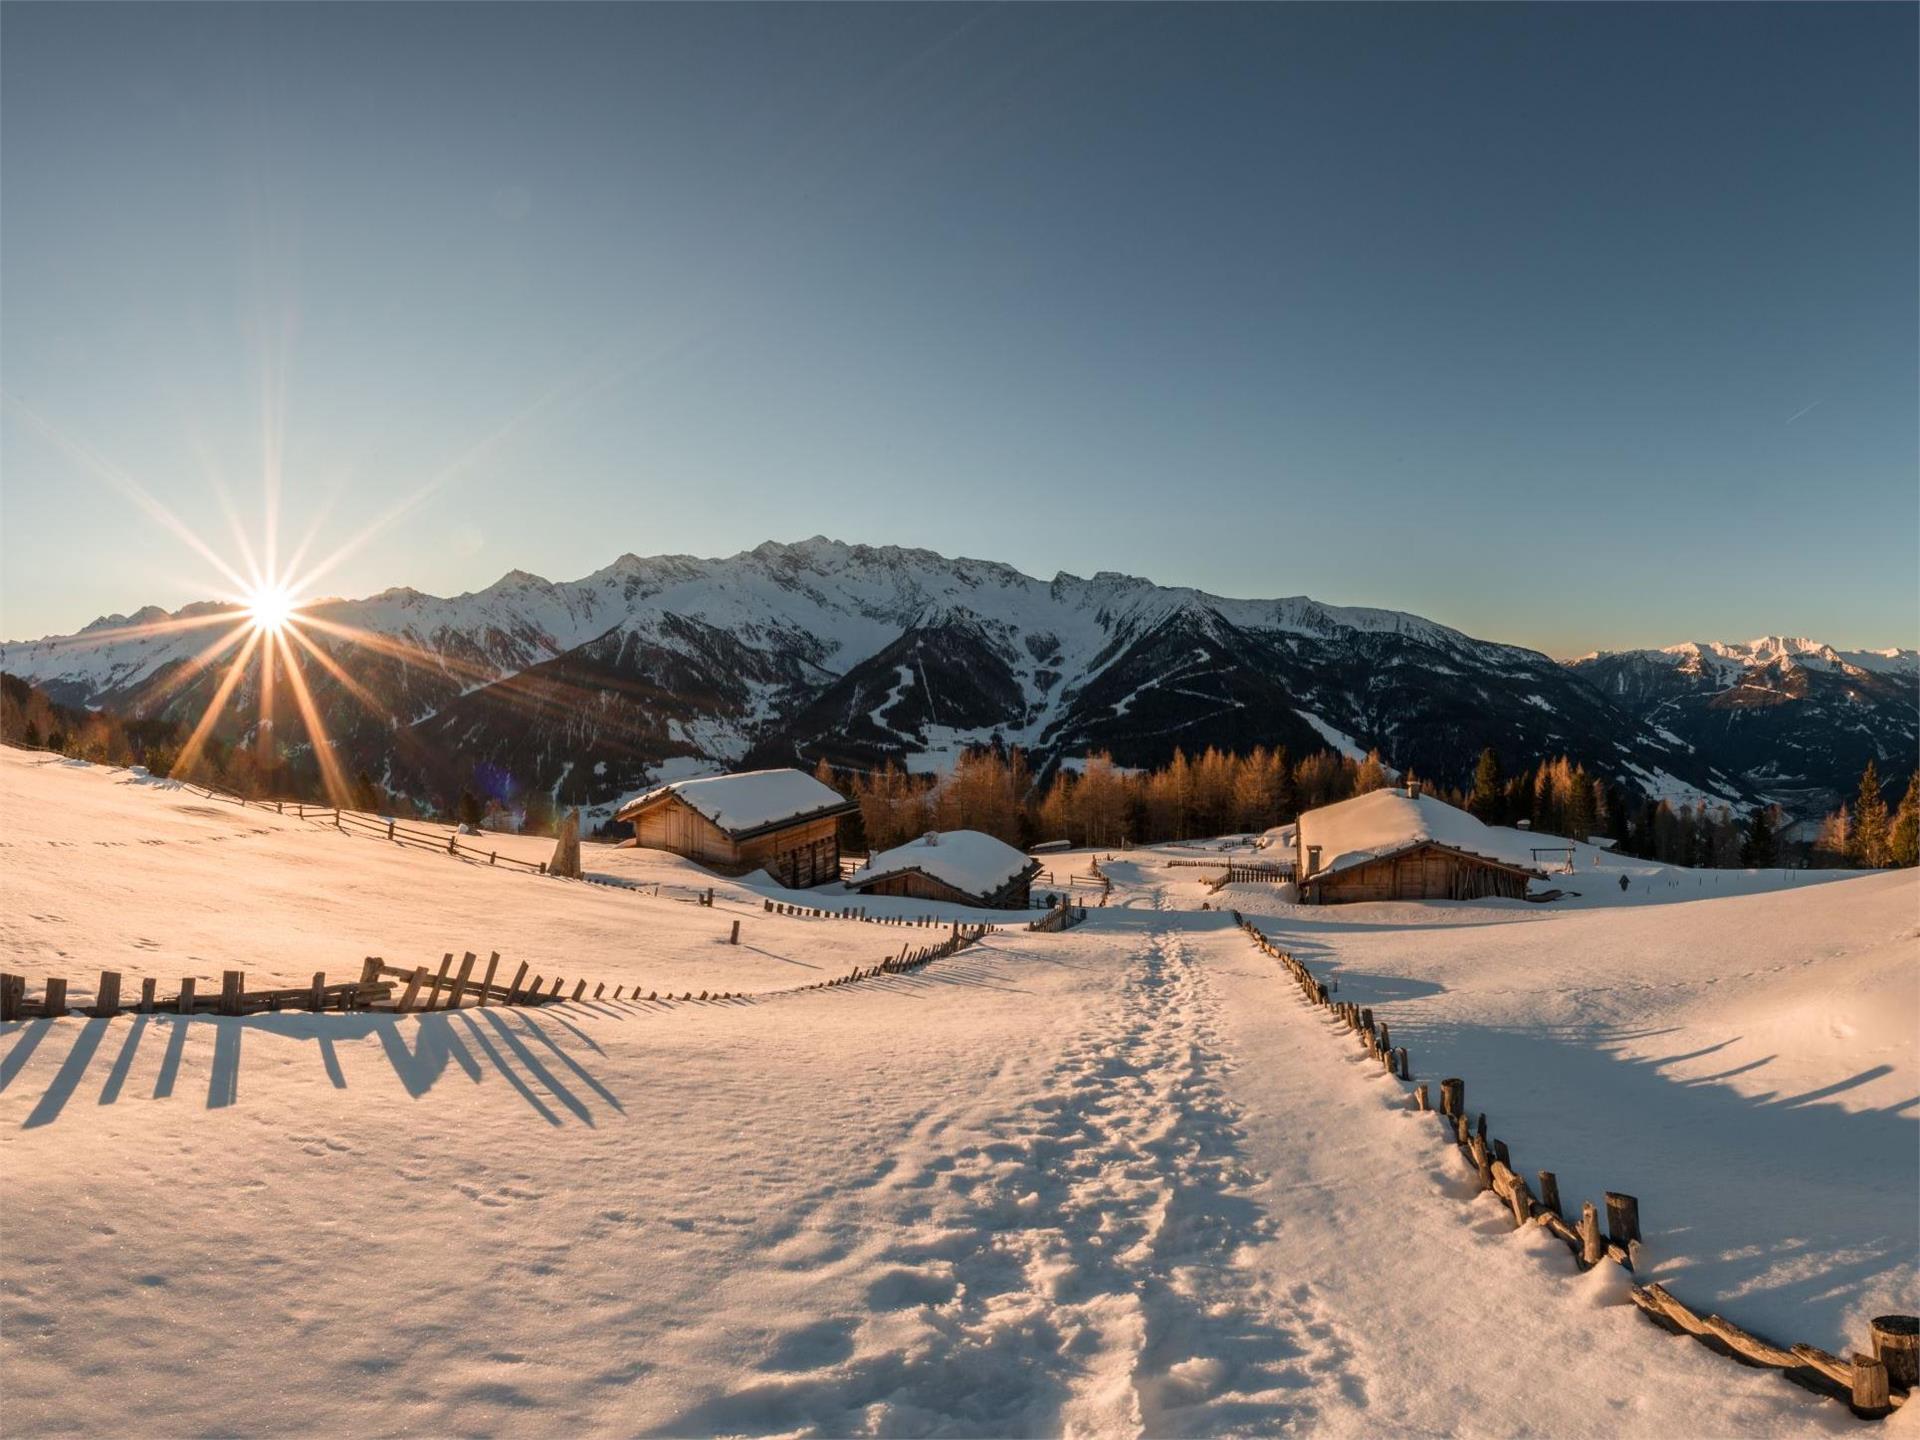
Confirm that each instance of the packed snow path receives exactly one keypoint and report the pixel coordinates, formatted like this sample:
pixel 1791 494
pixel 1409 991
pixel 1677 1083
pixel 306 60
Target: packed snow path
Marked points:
pixel 1118 1181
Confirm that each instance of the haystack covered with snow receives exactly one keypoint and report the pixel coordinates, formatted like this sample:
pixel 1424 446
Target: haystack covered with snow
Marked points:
pixel 962 866
pixel 1393 845
pixel 781 821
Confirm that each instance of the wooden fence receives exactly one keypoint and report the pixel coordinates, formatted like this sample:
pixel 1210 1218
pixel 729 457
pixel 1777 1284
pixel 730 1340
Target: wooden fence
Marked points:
pixel 400 990
pixel 1061 917
pixel 857 913
pixel 1873 1384
pixel 1270 873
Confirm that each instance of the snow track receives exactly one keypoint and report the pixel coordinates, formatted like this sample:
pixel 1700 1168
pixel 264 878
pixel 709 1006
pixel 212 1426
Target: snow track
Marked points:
pixel 1114 1181
pixel 1082 1262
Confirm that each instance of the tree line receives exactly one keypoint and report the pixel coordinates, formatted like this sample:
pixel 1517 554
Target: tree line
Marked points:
pixel 1091 801
pixel 1865 835
pixel 1096 802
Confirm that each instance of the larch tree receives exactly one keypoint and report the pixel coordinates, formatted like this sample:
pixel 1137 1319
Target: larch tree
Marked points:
pixel 1903 840
pixel 1372 774
pixel 1869 839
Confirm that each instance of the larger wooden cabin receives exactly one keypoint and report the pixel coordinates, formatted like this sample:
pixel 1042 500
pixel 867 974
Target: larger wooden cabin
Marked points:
pixel 780 821
pixel 959 867
pixel 1391 845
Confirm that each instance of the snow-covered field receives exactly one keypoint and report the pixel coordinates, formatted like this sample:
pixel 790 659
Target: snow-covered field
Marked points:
pixel 1117 1180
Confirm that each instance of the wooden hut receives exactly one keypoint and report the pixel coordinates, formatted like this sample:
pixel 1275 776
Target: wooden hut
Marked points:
pixel 957 867
pixel 1393 845
pixel 780 821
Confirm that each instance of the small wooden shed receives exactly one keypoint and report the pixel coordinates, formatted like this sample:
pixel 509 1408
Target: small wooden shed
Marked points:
pixel 957 867
pixel 1392 845
pixel 780 821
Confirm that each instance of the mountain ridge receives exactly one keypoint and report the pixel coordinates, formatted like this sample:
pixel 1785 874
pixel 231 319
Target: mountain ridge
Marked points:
pixel 794 651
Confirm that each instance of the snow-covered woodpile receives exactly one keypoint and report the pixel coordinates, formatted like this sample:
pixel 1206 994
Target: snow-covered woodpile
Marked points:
pixel 1392 845
pixel 961 867
pixel 780 821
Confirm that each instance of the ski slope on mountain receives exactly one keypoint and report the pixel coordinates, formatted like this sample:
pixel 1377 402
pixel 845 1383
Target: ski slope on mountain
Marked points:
pixel 1115 1181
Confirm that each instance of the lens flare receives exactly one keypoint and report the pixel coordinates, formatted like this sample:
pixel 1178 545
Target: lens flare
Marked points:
pixel 269 607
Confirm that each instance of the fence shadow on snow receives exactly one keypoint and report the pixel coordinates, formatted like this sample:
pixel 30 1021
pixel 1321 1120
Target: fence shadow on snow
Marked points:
pixel 542 1056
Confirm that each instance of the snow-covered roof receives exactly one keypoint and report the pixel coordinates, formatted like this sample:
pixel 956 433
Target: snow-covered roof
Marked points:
pixel 749 801
pixel 965 859
pixel 1386 822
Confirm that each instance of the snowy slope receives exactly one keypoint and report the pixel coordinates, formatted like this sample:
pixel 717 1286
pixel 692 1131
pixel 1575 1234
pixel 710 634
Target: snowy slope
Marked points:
pixel 1111 1182
pixel 1739 1049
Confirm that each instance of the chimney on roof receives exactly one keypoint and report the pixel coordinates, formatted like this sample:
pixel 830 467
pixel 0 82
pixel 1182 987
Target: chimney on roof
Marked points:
pixel 1413 788
pixel 1313 859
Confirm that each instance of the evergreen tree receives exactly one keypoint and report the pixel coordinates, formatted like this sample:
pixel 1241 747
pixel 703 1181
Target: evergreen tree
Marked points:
pixel 1759 850
pixel 1578 815
pixel 471 811
pixel 1903 843
pixel 1869 838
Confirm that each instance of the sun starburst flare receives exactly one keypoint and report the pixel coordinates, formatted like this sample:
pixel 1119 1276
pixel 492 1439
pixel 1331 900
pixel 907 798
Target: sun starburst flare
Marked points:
pixel 267 618
pixel 270 607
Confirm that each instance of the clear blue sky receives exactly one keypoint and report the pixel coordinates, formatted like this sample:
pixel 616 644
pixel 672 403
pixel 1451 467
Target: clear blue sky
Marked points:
pixel 1575 326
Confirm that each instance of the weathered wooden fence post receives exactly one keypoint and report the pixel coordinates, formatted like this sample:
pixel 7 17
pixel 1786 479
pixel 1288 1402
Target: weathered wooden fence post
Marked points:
pixel 1896 1344
pixel 1592 1248
pixel 106 1001
pixel 414 982
pixel 185 1003
pixel 734 939
pixel 486 985
pixel 459 991
pixel 56 1002
pixel 1453 1098
pixel 1623 1219
pixel 317 996
pixel 146 996
pixel 1550 1193
pixel 1870 1398
pixel 232 984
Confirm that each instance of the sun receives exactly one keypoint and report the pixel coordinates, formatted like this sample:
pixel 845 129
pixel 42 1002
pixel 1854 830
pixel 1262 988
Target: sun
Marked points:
pixel 269 608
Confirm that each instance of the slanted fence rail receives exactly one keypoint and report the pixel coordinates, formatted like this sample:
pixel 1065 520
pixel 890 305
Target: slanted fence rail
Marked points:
pixel 400 989
pixel 1873 1384
pixel 1061 917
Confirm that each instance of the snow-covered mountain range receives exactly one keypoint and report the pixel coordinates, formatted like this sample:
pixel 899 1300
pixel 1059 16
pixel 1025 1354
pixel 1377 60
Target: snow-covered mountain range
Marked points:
pixel 1792 719
pixel 671 665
